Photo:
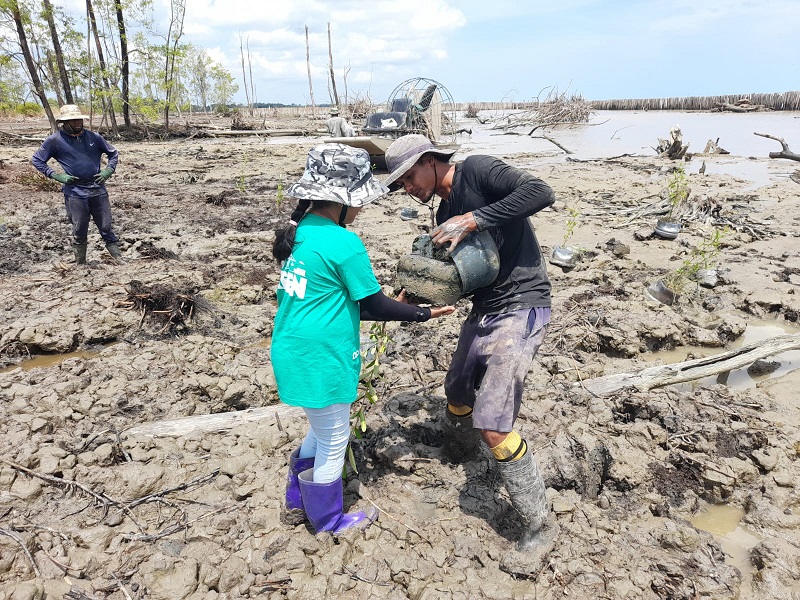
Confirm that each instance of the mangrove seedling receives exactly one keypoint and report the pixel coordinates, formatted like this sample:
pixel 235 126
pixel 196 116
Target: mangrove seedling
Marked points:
pixel 371 377
pixel 677 190
pixel 702 257
pixel 572 222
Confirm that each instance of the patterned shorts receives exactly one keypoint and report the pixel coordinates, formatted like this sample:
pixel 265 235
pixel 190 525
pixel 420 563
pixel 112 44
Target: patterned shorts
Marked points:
pixel 491 361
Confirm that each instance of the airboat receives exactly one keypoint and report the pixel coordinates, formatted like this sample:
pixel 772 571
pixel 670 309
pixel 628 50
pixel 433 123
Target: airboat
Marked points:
pixel 417 105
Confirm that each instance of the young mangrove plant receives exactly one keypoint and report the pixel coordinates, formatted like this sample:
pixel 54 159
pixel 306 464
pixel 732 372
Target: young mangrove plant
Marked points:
pixel 677 191
pixel 371 378
pixel 702 257
pixel 572 222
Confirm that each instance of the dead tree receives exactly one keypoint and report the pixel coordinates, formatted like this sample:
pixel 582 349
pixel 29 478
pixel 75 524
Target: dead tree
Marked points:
pixel 244 75
pixel 308 66
pixel 673 148
pixel 330 64
pixel 785 152
pixel 38 87
pixel 59 54
pixel 106 97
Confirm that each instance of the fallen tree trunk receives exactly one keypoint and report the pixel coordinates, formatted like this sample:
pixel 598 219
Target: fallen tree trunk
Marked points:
pixel 213 423
pixel 691 370
pixel 785 152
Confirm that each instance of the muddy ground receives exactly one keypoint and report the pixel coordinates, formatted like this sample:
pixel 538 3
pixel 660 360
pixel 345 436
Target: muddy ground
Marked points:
pixel 91 508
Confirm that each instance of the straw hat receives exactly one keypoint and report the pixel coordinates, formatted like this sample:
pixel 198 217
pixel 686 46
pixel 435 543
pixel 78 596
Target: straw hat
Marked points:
pixel 68 112
pixel 404 152
pixel 338 173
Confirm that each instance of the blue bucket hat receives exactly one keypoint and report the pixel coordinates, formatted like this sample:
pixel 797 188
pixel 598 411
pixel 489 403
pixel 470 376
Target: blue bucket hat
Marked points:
pixel 338 173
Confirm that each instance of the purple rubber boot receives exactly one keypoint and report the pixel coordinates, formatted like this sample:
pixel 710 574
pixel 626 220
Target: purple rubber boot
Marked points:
pixel 324 502
pixel 293 512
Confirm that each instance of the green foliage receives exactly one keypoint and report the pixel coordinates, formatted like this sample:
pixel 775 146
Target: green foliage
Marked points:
pixel 279 197
pixel 677 189
pixel 703 256
pixel 244 169
pixel 371 377
pixel 572 222
pixel 22 109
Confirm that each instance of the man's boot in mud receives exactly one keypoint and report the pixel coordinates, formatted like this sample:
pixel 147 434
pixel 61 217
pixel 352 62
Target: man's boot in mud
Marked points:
pixel 462 441
pixel 113 250
pixel 80 253
pixel 526 489
pixel 294 512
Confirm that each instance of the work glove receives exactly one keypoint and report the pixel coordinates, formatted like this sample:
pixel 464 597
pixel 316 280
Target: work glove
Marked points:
pixel 64 178
pixel 103 176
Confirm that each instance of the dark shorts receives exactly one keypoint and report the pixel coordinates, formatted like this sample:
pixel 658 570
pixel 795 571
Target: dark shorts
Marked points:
pixel 491 361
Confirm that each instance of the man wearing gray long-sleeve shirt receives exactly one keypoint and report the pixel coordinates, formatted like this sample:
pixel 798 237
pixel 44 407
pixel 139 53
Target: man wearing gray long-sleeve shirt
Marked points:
pixel 484 386
pixel 79 152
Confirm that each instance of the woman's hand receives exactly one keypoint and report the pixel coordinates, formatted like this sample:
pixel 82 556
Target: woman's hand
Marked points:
pixel 436 311
pixel 441 311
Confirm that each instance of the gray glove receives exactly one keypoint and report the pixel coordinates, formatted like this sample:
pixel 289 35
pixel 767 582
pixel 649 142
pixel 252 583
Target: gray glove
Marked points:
pixel 64 178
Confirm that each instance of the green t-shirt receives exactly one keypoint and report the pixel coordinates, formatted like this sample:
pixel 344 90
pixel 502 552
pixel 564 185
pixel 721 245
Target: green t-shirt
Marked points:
pixel 316 341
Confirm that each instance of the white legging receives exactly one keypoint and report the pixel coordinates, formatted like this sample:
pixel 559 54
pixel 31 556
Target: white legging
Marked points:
pixel 326 440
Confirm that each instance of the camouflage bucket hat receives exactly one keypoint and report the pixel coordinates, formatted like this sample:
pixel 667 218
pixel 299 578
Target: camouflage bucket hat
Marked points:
pixel 338 173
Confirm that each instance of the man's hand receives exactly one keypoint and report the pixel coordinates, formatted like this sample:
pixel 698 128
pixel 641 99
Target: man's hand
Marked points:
pixel 63 178
pixel 103 176
pixel 454 230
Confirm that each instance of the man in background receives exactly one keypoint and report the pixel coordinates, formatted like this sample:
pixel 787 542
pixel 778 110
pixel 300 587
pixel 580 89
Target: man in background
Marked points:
pixel 79 151
pixel 338 126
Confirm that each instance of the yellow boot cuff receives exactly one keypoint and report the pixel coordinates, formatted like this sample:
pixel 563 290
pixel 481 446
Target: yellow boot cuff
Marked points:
pixel 510 449
pixel 460 411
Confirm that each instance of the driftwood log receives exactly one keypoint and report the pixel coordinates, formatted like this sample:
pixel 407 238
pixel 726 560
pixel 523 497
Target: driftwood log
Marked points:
pixel 690 370
pixel 673 148
pixel 213 423
pixel 785 152
pixel 645 379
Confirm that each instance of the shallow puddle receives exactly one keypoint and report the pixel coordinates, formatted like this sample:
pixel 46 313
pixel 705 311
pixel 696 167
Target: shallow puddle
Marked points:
pixel 738 379
pixel 723 521
pixel 50 360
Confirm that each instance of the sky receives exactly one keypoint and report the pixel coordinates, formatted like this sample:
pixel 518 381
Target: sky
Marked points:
pixel 493 50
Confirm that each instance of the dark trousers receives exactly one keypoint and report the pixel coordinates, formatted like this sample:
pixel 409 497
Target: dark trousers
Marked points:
pixel 79 210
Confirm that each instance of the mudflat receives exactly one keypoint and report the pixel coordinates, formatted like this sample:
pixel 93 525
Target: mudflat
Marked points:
pixel 151 462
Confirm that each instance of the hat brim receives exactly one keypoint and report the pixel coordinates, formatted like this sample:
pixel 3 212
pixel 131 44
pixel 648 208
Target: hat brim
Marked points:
pixel 401 170
pixel 311 190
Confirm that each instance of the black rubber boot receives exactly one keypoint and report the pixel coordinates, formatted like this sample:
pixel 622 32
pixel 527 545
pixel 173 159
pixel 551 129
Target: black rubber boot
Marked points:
pixel 526 489
pixel 113 250
pixel 80 253
pixel 461 440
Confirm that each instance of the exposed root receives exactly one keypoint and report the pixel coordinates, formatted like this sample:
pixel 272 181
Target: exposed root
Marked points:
pixel 170 307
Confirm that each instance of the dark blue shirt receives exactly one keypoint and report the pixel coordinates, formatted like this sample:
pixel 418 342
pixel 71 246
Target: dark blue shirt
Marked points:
pixel 78 156
pixel 501 198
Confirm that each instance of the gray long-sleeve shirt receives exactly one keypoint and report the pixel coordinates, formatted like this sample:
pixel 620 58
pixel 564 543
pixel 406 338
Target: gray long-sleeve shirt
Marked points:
pixel 501 198
pixel 78 156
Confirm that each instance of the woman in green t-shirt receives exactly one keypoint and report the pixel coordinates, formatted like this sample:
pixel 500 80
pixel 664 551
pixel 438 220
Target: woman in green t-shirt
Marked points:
pixel 326 288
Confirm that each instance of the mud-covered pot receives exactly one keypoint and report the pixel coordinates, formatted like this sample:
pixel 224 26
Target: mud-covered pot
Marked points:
pixel 660 292
pixel 431 274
